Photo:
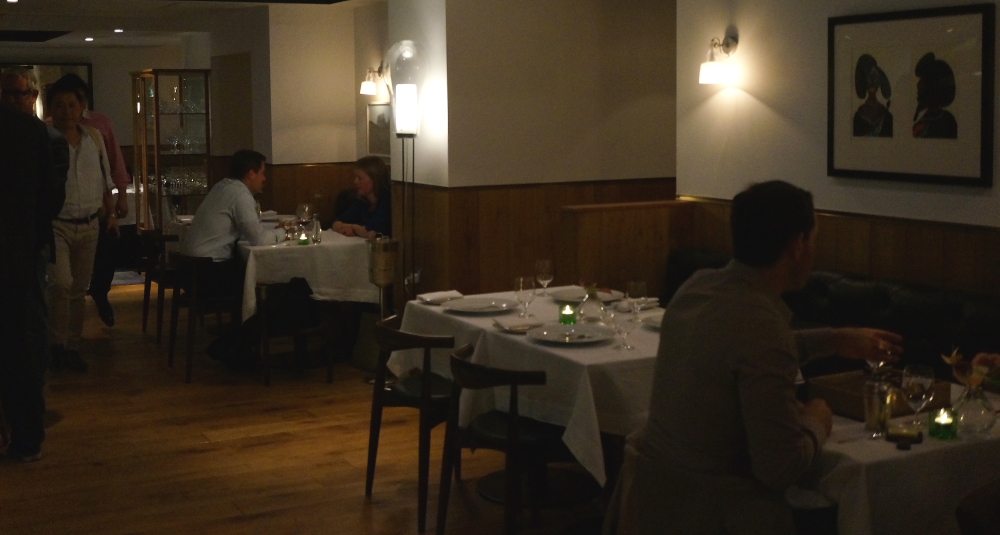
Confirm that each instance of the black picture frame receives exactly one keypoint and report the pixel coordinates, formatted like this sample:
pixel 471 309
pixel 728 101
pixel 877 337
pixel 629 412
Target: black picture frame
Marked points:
pixel 910 95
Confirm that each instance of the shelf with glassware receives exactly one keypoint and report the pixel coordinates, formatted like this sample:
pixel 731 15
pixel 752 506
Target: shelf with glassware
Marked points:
pixel 172 140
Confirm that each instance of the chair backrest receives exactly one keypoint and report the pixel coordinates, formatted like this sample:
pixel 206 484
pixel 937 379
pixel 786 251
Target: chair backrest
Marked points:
pixel 476 376
pixel 390 337
pixel 191 272
pixel 153 248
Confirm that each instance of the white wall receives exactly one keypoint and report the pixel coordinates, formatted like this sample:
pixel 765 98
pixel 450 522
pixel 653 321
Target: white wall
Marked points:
pixel 370 45
pixel 313 91
pixel 774 126
pixel 561 90
pixel 423 21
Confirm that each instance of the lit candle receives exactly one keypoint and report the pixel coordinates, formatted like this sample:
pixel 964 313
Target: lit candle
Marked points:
pixel 567 316
pixel 303 238
pixel 943 424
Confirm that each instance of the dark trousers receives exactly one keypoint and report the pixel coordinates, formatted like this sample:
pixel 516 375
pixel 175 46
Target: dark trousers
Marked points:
pixel 104 263
pixel 24 329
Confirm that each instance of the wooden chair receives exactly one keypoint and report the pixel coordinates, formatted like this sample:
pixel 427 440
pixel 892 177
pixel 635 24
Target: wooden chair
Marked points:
pixel 156 267
pixel 303 326
pixel 195 290
pixel 528 444
pixel 427 392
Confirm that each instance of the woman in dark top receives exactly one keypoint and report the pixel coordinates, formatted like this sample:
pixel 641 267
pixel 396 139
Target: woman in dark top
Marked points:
pixel 369 213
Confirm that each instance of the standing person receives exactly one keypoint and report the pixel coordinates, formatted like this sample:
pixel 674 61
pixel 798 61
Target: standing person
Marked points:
pixel 725 435
pixel 107 240
pixel 32 197
pixel 88 188
pixel 370 211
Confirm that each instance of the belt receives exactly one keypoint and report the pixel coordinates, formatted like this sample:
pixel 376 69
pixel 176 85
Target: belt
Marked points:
pixel 79 220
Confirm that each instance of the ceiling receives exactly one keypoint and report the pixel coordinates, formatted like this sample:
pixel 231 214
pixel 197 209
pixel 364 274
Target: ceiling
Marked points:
pixel 146 22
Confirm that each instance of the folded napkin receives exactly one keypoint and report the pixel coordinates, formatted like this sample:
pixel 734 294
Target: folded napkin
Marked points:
pixel 184 218
pixel 436 298
pixel 268 213
pixel 644 304
pixel 516 324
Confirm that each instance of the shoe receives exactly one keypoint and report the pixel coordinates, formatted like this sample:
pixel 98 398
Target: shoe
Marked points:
pixel 104 310
pixel 24 457
pixel 72 361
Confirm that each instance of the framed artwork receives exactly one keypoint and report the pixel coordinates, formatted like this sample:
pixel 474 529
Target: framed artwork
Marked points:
pixel 910 95
pixel 379 116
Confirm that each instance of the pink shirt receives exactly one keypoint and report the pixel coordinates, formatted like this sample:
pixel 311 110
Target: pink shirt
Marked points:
pixel 103 124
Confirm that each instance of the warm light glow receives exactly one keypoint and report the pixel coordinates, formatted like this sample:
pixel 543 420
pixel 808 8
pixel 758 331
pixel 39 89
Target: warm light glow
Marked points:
pixel 11 1
pixel 88 39
pixel 943 417
pixel 407 109
pixel 368 88
pixel 119 30
pixel 718 72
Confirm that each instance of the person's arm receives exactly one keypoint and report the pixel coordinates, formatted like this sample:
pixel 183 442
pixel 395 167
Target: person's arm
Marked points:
pixel 119 173
pixel 248 222
pixel 111 219
pixel 348 223
pixel 849 342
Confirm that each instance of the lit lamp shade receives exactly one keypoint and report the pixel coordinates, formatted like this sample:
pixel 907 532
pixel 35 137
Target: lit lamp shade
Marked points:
pixel 407 110
pixel 368 88
pixel 715 72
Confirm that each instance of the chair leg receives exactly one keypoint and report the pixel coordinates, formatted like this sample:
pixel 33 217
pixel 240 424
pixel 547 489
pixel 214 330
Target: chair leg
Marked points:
pixel 373 434
pixel 161 295
pixel 172 339
pixel 264 348
pixel 448 462
pixel 145 300
pixel 512 494
pixel 423 469
pixel 193 314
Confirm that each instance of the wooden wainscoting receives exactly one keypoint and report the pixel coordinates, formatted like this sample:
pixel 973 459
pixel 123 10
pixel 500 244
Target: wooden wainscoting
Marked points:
pixel 944 255
pixel 291 184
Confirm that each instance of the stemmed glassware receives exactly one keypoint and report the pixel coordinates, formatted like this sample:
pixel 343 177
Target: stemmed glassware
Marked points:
pixel 635 295
pixel 623 323
pixel 918 387
pixel 305 213
pixel 544 274
pixel 524 292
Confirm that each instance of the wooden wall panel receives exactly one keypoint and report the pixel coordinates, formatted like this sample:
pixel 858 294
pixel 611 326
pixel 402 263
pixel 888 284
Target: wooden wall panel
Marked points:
pixel 842 243
pixel 289 185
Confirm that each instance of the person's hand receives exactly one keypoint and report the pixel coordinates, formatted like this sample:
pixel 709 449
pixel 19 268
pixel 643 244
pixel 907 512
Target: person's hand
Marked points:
pixel 112 225
pixel 869 344
pixel 121 205
pixel 819 411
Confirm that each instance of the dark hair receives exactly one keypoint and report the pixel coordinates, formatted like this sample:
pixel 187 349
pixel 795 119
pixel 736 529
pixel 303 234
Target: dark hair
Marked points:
pixel 243 161
pixel 767 216
pixel 936 88
pixel 867 74
pixel 378 171
pixel 71 84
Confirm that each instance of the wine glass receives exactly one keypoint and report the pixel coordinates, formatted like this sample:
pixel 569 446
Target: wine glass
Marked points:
pixel 524 291
pixel 635 295
pixel 304 212
pixel 918 387
pixel 544 274
pixel 623 323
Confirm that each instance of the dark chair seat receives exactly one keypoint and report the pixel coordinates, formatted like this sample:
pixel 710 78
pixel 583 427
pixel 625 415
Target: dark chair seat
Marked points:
pixel 156 265
pixel 411 388
pixel 492 429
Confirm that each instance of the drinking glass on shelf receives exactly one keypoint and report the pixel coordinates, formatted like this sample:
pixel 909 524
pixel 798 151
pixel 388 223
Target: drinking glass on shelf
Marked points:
pixel 524 292
pixel 635 295
pixel 918 387
pixel 544 274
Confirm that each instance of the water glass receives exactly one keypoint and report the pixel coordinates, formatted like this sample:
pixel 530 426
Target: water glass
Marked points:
pixel 524 292
pixel 918 387
pixel 544 273
pixel 635 294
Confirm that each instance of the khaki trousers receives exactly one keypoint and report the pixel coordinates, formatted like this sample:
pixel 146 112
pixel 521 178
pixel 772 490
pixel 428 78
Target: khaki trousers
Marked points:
pixel 69 277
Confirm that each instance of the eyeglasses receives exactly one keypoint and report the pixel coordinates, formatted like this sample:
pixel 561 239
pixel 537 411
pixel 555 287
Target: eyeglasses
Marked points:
pixel 19 94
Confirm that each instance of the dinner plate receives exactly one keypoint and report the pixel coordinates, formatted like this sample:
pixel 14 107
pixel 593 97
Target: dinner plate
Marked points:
pixel 652 322
pixel 517 325
pixel 480 305
pixel 574 294
pixel 581 333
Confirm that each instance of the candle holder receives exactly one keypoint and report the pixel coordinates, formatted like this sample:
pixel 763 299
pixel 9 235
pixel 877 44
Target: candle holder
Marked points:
pixel 943 424
pixel 567 316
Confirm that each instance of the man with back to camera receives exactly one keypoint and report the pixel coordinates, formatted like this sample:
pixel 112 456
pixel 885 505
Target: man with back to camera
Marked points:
pixel 33 195
pixel 725 434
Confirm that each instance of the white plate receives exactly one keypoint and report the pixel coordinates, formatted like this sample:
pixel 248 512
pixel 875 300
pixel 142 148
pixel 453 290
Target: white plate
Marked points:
pixel 480 305
pixel 517 325
pixel 574 294
pixel 581 333
pixel 652 322
pixel 645 304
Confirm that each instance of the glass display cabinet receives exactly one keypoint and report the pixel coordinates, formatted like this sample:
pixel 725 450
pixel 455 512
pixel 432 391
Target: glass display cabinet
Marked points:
pixel 172 143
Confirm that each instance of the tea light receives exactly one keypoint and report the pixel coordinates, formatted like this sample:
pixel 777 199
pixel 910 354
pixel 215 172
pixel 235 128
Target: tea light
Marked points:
pixel 304 238
pixel 567 316
pixel 943 425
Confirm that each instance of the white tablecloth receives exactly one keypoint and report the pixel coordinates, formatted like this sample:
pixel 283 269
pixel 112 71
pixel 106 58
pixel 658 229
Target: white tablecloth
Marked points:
pixel 880 489
pixel 590 388
pixel 336 269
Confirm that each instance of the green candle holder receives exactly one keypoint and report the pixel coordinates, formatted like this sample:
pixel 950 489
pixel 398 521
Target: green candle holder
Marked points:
pixel 943 424
pixel 567 315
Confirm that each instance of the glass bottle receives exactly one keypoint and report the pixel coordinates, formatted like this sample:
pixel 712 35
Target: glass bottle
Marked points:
pixel 317 231
pixel 975 413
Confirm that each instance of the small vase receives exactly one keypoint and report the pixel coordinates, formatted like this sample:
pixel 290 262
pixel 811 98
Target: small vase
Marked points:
pixel 591 309
pixel 975 413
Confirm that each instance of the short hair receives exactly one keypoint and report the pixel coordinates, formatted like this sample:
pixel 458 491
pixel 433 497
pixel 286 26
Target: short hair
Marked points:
pixel 66 85
pixel 20 72
pixel 765 218
pixel 72 81
pixel 378 171
pixel 243 161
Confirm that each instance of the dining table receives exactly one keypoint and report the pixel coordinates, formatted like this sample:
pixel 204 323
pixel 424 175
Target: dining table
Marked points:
pixel 595 388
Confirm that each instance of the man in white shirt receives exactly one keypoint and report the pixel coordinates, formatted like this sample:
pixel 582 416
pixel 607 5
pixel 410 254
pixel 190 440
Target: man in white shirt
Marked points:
pixel 229 213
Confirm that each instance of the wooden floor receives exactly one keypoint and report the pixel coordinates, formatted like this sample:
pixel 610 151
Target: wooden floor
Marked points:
pixel 135 450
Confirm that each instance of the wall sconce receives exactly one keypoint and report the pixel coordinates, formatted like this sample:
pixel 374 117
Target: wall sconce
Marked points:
pixel 404 75
pixel 368 87
pixel 716 71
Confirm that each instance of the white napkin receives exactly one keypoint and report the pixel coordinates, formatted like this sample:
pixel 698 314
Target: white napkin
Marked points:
pixel 269 214
pixel 516 324
pixel 644 304
pixel 184 218
pixel 436 298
